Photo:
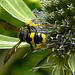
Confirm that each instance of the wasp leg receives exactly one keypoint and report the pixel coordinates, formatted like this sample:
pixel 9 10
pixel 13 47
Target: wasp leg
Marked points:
pixel 31 47
pixel 38 46
pixel 52 46
pixel 44 45
pixel 11 52
pixel 47 46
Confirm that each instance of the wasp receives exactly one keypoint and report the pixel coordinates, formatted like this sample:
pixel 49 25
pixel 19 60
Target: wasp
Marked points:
pixel 27 34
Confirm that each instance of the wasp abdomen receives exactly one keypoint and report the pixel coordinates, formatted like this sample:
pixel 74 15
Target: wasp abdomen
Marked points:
pixel 35 38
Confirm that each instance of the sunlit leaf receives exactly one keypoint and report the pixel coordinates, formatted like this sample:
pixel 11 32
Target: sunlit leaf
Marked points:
pixel 8 42
pixel 71 62
pixel 58 70
pixel 18 9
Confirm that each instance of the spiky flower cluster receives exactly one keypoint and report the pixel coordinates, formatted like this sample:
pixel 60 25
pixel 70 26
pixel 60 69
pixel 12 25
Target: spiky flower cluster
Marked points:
pixel 61 14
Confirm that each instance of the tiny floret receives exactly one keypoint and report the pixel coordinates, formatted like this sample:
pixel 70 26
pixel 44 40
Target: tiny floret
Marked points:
pixel 52 14
pixel 61 11
pixel 56 1
pixel 70 7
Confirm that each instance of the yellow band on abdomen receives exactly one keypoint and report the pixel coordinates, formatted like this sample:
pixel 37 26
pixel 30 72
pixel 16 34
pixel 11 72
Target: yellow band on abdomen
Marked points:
pixel 43 38
pixel 32 37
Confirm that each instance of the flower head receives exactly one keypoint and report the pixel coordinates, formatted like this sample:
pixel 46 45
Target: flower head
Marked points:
pixel 61 14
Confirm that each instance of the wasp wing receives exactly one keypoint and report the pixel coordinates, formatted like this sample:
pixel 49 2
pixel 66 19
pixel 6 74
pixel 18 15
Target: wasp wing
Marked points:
pixel 10 52
pixel 7 26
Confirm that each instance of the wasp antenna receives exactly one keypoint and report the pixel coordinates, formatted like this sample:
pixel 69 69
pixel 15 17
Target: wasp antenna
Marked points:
pixel 10 52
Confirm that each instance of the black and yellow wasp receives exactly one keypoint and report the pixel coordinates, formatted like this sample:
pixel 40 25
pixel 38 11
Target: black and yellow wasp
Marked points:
pixel 27 34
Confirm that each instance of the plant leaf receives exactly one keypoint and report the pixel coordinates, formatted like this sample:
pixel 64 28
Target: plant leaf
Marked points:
pixel 58 70
pixel 71 62
pixel 18 9
pixel 48 61
pixel 8 42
